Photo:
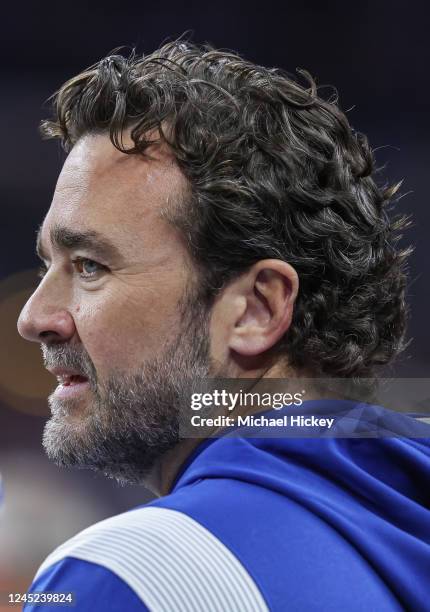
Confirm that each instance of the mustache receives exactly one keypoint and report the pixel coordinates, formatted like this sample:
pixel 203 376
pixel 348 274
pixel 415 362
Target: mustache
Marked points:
pixel 65 356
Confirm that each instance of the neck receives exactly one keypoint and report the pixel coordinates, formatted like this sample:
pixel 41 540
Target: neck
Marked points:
pixel 162 476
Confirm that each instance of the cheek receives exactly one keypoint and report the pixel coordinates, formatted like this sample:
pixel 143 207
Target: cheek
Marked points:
pixel 119 332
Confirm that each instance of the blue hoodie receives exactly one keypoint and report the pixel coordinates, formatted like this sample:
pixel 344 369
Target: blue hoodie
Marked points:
pixel 303 519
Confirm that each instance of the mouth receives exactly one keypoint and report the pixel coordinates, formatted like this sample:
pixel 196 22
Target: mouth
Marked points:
pixel 71 387
pixel 71 384
pixel 67 380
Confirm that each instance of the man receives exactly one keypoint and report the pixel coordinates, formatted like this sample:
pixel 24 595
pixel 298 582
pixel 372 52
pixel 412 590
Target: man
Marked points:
pixel 215 218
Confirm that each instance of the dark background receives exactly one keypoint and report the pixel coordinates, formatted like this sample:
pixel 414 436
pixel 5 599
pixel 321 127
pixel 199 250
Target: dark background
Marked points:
pixel 376 54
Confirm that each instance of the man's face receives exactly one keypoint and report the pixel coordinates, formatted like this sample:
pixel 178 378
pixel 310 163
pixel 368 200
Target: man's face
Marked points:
pixel 114 311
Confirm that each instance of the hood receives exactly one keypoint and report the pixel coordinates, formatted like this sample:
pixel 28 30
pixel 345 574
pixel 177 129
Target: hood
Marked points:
pixel 375 491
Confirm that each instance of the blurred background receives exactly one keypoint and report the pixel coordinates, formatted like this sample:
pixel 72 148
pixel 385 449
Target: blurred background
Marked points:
pixel 376 54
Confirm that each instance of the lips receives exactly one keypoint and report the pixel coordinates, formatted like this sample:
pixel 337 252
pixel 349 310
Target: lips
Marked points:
pixel 67 376
pixel 74 379
pixel 73 386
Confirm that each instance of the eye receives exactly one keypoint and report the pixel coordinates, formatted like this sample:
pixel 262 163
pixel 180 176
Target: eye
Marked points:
pixel 87 268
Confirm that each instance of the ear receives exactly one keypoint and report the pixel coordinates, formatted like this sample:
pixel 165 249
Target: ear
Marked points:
pixel 267 293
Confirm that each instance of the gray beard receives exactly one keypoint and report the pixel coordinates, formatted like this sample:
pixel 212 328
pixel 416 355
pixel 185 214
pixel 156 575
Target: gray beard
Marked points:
pixel 135 418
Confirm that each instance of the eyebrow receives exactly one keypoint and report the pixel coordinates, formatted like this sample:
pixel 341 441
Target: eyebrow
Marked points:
pixel 68 239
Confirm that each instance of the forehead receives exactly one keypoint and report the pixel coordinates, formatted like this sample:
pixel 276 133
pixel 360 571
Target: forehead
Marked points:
pixel 103 190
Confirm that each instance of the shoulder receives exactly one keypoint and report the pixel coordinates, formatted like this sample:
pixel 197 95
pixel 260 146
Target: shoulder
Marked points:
pixel 164 556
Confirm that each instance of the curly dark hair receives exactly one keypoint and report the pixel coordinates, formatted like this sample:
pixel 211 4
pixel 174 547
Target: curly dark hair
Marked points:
pixel 275 171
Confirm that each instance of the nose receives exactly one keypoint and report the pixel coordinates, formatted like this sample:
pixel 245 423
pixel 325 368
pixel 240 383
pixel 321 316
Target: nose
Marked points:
pixel 43 319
